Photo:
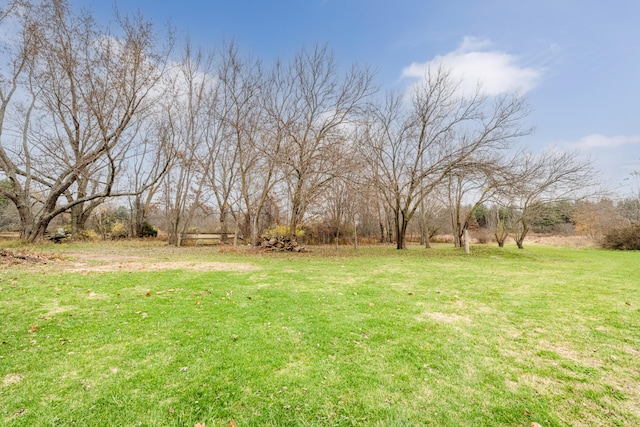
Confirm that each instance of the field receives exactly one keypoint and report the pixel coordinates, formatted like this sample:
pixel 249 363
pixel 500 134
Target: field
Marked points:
pixel 141 334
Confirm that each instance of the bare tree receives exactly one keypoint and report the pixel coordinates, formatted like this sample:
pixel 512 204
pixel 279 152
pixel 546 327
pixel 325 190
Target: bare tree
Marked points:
pixel 221 165
pixel 187 126
pixel 313 107
pixel 412 147
pixel 431 219
pixel 630 205
pixel 499 221
pixel 542 179
pixel 594 219
pixel 338 202
pixel 87 88
pixel 468 188
pixel 474 187
pixel 15 160
pixel 253 139
pixel 145 166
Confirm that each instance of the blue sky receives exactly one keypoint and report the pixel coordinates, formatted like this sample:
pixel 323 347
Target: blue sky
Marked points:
pixel 577 60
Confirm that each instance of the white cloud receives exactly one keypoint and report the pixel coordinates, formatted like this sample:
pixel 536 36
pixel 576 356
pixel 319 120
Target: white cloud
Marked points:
pixel 473 63
pixel 469 44
pixel 602 141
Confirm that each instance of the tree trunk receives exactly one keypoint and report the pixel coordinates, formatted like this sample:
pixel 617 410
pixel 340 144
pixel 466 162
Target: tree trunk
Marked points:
pixel 139 216
pixel 173 222
pixel 254 230
pixel 521 234
pixel 389 238
pixel 37 233
pixel 401 231
pixel 296 216
pixel 458 232
pixel 224 227
pixel 76 221
pixel 26 220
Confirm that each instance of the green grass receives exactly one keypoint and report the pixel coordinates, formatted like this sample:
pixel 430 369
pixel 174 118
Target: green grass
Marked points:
pixel 375 337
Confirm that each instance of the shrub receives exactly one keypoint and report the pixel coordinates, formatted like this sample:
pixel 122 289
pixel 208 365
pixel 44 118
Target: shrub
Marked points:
pixel 442 238
pixel 88 235
pixel 119 230
pixel 149 230
pixel 623 238
pixel 483 236
pixel 281 231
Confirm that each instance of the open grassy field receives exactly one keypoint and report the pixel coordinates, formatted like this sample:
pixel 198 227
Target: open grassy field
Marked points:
pixel 139 334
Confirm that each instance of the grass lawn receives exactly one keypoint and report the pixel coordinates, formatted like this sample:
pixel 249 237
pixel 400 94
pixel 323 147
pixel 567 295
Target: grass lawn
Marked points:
pixel 134 334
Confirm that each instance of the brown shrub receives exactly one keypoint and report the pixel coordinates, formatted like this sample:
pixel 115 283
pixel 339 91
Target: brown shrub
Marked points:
pixel 442 238
pixel 482 236
pixel 622 238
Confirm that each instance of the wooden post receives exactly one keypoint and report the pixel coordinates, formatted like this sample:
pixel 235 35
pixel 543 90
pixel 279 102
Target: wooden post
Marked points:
pixel 466 241
pixel 355 233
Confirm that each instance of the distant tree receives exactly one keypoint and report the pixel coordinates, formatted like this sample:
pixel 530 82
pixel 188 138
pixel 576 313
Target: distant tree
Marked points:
pixel 481 215
pixel 540 180
pixel 596 218
pixel 500 221
pixel 413 146
pixel 629 208
pixel 432 218
pixel 630 205
pixel 189 123
pixel 554 217
pixel 475 186
pixel 254 137
pixel 315 105
pixel 145 167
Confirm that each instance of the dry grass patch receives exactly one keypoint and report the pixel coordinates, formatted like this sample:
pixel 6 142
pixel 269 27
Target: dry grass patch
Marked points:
pixel 443 317
pixel 159 266
pixel 11 379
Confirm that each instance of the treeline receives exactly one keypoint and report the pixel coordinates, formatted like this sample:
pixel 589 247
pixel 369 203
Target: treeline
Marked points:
pixel 93 117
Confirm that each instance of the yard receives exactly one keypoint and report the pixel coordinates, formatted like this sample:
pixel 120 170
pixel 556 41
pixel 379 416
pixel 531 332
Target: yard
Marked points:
pixel 142 334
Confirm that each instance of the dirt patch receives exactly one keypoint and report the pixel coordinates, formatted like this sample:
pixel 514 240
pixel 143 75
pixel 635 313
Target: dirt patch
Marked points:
pixel 57 309
pixel 11 379
pixel 8 257
pixel 82 267
pixel 444 317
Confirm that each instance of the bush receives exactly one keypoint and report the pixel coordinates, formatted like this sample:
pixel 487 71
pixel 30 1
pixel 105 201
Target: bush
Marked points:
pixel 483 236
pixel 281 231
pixel 119 230
pixel 149 230
pixel 623 238
pixel 442 238
pixel 88 235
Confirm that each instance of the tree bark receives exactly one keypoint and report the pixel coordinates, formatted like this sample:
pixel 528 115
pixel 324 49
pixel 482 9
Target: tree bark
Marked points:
pixel 521 234
pixel 401 230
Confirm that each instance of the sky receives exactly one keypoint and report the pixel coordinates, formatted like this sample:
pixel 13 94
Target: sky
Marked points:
pixel 577 61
